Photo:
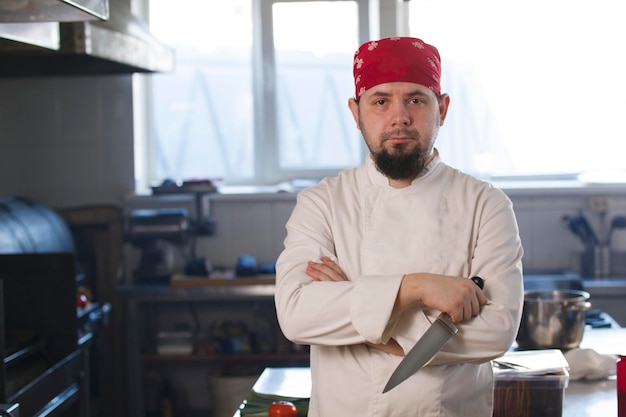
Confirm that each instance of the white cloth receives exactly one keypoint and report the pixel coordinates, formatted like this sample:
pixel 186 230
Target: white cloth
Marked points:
pixel 589 364
pixel 446 222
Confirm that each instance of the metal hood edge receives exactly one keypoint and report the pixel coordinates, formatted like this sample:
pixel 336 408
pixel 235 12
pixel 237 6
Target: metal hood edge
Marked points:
pixel 122 44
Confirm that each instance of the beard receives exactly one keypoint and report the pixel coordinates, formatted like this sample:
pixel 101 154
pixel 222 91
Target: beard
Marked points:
pixel 404 161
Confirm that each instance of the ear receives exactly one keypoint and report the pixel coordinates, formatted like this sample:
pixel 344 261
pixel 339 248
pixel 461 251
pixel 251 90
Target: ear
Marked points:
pixel 444 103
pixel 354 108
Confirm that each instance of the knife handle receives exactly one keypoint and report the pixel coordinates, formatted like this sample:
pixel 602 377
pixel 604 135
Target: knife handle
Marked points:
pixel 479 281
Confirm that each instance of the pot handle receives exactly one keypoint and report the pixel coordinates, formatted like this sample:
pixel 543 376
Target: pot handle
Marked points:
pixel 581 306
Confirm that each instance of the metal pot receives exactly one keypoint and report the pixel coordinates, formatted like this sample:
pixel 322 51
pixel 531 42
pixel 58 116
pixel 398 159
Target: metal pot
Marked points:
pixel 553 319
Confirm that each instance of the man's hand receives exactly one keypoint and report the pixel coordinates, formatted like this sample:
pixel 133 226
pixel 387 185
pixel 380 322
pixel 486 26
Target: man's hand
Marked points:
pixel 327 270
pixel 460 297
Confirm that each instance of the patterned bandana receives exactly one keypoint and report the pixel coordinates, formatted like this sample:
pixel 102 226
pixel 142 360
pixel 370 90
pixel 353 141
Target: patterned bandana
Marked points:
pixel 396 59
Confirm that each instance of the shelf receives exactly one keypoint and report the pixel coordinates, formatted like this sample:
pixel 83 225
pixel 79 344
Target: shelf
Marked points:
pixel 252 357
pixel 186 281
pixel 164 293
pixel 200 302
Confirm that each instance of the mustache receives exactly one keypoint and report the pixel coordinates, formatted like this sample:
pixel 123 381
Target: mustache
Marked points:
pixel 411 134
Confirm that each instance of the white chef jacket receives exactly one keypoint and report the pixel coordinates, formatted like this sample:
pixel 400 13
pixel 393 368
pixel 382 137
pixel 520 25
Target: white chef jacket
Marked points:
pixel 445 222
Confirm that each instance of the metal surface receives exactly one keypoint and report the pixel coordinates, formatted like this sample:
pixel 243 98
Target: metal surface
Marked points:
pixel 431 342
pixel 21 36
pixel 46 350
pixel 29 226
pixel 146 225
pixel 53 10
pixel 11 410
pixel 123 44
pixel 435 337
pixel 553 319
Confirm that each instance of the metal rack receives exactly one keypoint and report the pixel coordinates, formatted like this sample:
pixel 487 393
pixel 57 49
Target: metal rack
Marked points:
pixel 143 303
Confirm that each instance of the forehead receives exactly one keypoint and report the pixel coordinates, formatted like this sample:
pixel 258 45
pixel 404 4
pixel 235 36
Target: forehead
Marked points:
pixel 398 88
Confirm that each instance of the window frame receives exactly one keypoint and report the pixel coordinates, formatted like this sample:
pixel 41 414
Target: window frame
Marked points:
pixel 377 18
pixel 266 154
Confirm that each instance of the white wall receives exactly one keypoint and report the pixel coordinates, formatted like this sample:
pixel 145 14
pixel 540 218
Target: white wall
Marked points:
pixel 255 225
pixel 67 141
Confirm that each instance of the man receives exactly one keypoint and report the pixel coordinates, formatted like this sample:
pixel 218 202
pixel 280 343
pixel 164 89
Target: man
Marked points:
pixel 374 255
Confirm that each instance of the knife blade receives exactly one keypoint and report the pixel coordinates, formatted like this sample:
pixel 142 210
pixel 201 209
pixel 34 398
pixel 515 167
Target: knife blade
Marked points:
pixel 430 343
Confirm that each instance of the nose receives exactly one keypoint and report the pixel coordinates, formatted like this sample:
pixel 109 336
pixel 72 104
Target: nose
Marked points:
pixel 401 115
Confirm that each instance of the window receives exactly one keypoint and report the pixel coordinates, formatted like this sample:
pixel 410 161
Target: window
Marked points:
pixel 259 94
pixel 536 87
pixel 314 79
pixel 202 113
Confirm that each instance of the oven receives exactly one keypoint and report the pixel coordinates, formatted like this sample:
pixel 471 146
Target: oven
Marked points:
pixel 50 323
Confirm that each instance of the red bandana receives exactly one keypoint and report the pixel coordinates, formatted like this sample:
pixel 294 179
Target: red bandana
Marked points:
pixel 396 59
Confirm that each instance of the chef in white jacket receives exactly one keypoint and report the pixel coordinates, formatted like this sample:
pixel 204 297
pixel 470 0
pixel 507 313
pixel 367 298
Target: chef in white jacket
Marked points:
pixel 373 255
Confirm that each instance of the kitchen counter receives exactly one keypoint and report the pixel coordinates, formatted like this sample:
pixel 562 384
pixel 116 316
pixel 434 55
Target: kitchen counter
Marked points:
pixel 591 399
pixel 596 398
pixel 582 398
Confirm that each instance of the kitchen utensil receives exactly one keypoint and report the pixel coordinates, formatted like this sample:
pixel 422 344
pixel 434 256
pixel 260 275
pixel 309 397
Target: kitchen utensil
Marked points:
pixel 553 319
pixel 580 227
pixel 431 342
pixel 618 222
pixel 508 365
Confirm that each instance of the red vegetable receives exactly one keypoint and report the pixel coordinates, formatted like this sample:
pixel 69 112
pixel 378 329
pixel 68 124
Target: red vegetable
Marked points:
pixel 282 409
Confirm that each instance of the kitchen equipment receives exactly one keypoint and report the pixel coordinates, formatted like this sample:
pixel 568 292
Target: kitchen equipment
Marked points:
pixel 580 227
pixel 51 349
pixel 553 319
pixel 27 226
pixel 43 358
pixel 595 261
pixel 116 41
pixel 537 391
pixel 618 222
pixel 175 342
pixel 54 11
pixel 431 342
pixel 161 234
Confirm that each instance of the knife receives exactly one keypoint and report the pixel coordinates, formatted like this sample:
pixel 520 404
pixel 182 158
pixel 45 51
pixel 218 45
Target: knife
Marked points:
pixel 431 342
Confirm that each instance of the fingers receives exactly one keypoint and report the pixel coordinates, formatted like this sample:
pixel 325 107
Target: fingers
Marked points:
pixel 470 309
pixel 472 303
pixel 327 270
pixel 460 297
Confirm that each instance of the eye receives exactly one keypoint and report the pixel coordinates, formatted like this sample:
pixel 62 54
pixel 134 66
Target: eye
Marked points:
pixel 416 101
pixel 380 102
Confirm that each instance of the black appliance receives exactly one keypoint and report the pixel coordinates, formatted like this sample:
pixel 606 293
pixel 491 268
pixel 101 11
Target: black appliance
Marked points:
pixel 164 237
pixel 47 340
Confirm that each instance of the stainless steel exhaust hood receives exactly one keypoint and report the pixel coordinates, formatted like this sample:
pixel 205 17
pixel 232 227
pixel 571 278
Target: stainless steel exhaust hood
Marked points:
pixel 21 11
pixel 122 44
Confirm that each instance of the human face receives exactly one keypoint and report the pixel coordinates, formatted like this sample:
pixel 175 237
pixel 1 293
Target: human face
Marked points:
pixel 399 122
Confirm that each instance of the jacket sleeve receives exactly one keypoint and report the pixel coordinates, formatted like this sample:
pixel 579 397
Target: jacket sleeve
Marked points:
pixel 497 258
pixel 327 313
